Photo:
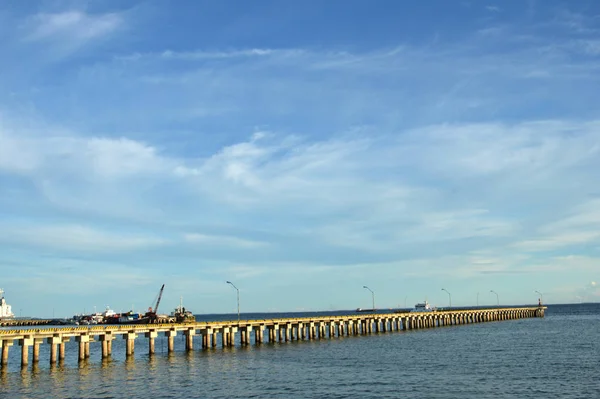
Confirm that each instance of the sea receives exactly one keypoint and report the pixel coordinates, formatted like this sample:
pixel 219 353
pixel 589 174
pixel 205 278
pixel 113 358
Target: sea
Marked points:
pixel 553 357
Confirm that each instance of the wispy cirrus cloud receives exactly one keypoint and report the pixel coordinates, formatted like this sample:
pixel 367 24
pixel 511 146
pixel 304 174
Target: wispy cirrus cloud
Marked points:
pixel 75 238
pixel 66 32
pixel 73 23
pixel 440 184
pixel 221 241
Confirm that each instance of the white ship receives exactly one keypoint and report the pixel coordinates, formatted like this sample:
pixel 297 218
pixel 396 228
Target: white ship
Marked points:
pixel 423 307
pixel 5 309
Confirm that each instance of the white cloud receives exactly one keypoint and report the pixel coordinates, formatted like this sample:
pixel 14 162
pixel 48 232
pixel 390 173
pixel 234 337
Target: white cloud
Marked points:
pixel 374 193
pixel 76 238
pixel 558 241
pixel 580 226
pixel 205 55
pixel 211 241
pixel 55 36
pixel 34 154
pixel 72 25
pixel 122 157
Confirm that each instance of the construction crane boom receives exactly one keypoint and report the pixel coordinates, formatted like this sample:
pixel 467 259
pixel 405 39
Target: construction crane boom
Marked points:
pixel 158 300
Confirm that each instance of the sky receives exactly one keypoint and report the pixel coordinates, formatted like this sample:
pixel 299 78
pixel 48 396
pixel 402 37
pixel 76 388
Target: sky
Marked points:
pixel 301 150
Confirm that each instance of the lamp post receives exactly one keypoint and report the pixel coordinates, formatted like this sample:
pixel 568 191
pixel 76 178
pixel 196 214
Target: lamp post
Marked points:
pixel 478 299
pixel 541 296
pixel 497 298
pixel 449 296
pixel 372 296
pixel 238 299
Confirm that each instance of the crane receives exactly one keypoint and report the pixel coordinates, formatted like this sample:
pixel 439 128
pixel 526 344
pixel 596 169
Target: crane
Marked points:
pixel 158 300
pixel 152 312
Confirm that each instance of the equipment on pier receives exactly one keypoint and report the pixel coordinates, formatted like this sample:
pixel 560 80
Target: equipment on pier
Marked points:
pixel 151 313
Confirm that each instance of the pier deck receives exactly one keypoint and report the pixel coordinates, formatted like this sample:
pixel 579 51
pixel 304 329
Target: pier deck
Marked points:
pixel 225 332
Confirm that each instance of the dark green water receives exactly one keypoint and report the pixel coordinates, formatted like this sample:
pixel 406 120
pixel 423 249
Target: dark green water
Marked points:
pixel 554 357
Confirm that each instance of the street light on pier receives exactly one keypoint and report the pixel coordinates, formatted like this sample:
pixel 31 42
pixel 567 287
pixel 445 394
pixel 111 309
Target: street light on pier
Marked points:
pixel 478 299
pixel 541 297
pixel 238 299
pixel 372 296
pixel 497 298
pixel 449 296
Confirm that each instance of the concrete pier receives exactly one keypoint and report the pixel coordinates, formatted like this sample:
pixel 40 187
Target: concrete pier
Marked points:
pixel 278 330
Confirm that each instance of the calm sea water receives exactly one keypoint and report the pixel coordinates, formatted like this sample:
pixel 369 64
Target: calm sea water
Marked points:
pixel 554 357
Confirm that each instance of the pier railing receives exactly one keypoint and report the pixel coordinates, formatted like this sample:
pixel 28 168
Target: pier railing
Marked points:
pixel 225 332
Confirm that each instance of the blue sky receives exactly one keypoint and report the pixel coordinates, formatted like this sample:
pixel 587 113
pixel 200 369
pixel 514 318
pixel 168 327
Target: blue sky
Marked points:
pixel 301 150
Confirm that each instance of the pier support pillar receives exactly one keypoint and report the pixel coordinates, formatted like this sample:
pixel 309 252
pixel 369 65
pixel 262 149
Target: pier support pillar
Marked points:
pixel 87 350
pixel 189 339
pixel 231 341
pixel 62 347
pixel 104 349
pixel 5 346
pixel 171 334
pixel 350 327
pixel 130 343
pixel 258 334
pixel 214 339
pixel 224 337
pixel 242 336
pixel 294 332
pixel 151 335
pixel 271 333
pixel 83 340
pixel 53 341
pixel 25 343
pixel 206 338
pixel 36 349
pixel 245 335
pixel 288 328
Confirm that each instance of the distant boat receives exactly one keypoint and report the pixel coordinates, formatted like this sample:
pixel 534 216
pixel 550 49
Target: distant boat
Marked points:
pixel 5 308
pixel 365 310
pixel 423 307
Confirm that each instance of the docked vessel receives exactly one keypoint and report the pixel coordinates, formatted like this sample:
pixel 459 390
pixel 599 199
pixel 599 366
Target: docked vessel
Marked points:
pixel 423 307
pixel 5 308
pixel 109 316
pixel 182 315
pixel 135 318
